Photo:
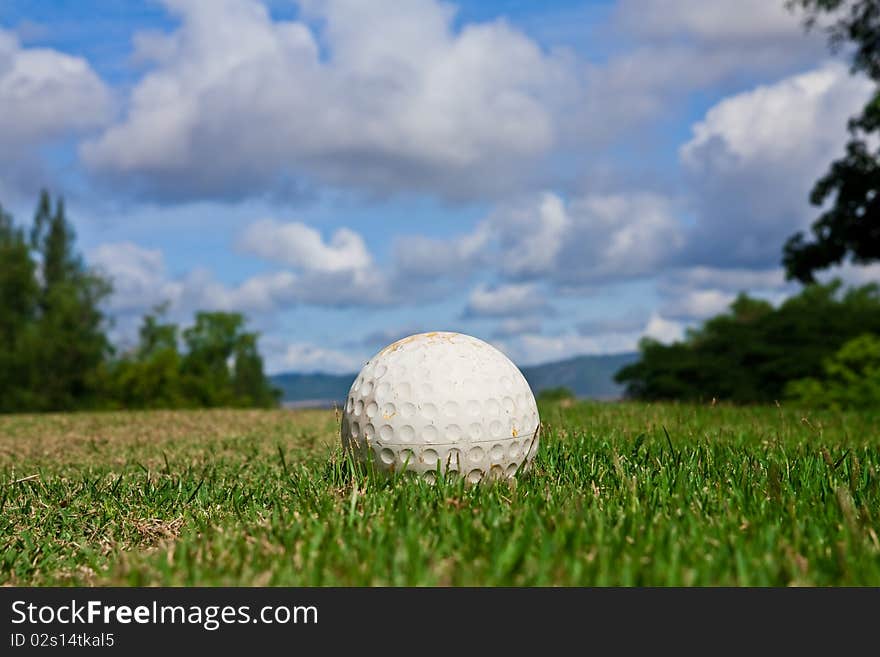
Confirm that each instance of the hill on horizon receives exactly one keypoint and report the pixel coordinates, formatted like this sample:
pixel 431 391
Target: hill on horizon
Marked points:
pixel 590 377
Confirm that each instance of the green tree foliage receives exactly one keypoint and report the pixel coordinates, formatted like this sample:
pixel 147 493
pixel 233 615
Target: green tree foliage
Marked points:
pixel 18 308
pixel 249 383
pixel 851 225
pixel 222 366
pixel 850 378
pixel 69 340
pixel 150 376
pixel 750 353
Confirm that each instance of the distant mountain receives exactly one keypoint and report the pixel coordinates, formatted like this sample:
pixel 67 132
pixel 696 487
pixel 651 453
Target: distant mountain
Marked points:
pixel 587 376
pixel 315 389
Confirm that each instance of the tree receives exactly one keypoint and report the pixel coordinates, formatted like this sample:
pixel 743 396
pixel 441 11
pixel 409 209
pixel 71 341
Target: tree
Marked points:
pixel 851 226
pixel 18 305
pixel 248 380
pixel 222 366
pixel 150 377
pixel 70 327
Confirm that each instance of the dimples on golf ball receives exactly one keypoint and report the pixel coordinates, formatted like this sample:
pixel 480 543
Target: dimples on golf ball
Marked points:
pixel 443 401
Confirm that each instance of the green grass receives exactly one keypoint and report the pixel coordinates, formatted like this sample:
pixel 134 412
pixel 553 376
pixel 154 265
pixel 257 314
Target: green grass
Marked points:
pixel 626 494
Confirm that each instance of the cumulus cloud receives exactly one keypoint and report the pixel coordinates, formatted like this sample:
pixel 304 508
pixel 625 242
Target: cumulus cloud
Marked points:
pixel 718 21
pixel 673 47
pixel 530 234
pixel 141 281
pixel 754 157
pixel 338 272
pixel 530 347
pixel 697 304
pixel 281 356
pixel 45 96
pixel 381 97
pixel 505 301
pixel 664 330
pixel 852 274
pixel 424 258
pixel 513 326
pixel 591 239
pixel 697 293
pixel 587 241
pixel 534 348
pixel 537 348
pixel 300 246
pixel 391 99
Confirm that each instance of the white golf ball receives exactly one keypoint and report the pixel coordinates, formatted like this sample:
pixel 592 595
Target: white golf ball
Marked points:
pixel 442 401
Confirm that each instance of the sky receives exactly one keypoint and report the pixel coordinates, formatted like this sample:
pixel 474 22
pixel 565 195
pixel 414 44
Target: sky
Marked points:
pixel 557 178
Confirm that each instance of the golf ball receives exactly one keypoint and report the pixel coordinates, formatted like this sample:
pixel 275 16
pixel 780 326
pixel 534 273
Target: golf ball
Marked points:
pixel 442 402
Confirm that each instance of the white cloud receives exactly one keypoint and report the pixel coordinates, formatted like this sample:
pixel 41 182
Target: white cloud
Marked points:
pixel 852 274
pixel 664 330
pixel 355 288
pixel 801 115
pixel 393 98
pixel 513 326
pixel 339 272
pixel 589 240
pixel 308 357
pixel 531 348
pixel 754 157
pixel 592 238
pixel 505 301
pixel 698 304
pixel 672 48
pixel 140 280
pixel 540 240
pixel 335 274
pixel 720 20
pixel 199 290
pixel 729 280
pixel 419 257
pixel 301 247
pixel 45 96
pixel 697 293
pixel 530 234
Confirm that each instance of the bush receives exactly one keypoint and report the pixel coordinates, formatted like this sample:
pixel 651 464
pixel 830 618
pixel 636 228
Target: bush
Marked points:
pixel 851 378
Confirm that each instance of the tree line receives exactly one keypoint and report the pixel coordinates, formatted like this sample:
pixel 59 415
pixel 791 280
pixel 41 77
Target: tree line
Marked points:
pixel 758 353
pixel 55 353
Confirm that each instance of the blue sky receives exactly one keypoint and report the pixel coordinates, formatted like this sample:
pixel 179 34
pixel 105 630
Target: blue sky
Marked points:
pixel 558 178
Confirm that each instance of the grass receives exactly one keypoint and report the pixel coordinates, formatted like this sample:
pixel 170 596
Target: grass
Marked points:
pixel 621 494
